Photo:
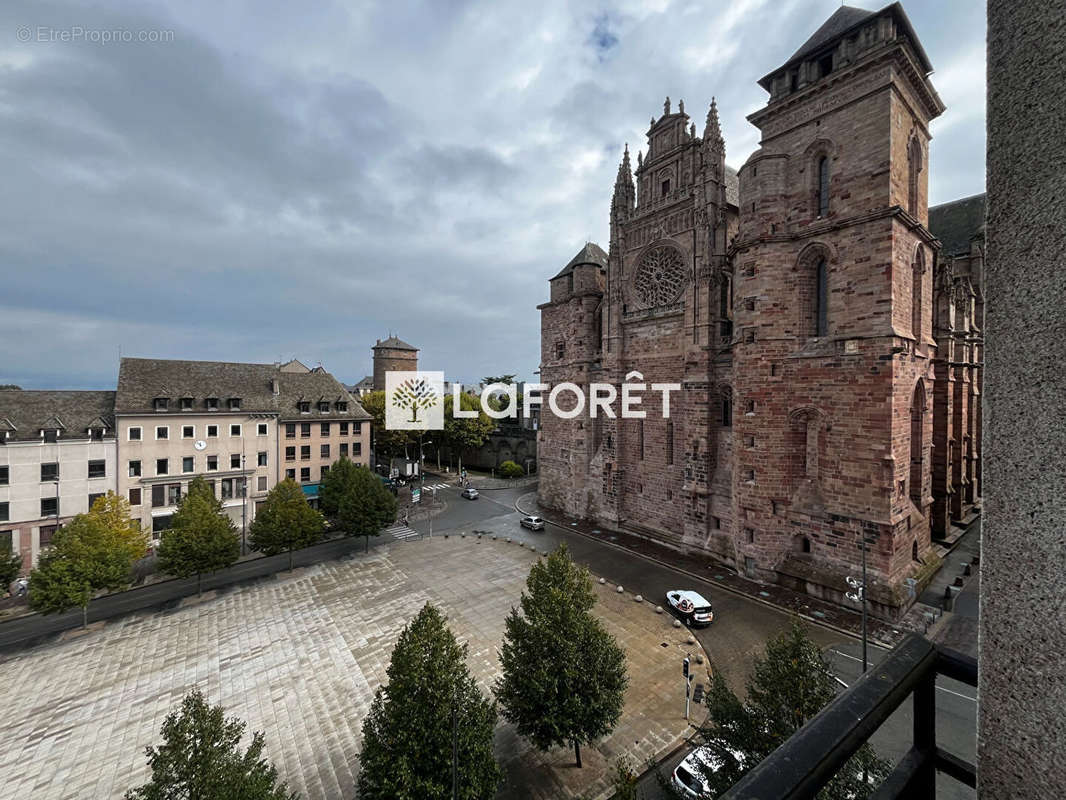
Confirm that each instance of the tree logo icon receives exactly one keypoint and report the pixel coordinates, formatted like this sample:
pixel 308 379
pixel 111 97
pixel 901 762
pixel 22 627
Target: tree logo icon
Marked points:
pixel 414 400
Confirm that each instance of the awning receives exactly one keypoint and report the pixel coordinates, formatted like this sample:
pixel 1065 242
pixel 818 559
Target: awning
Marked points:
pixel 310 489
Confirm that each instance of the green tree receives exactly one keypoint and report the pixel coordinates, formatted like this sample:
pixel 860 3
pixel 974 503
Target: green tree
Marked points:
pixel 625 779
pixel 564 676
pixel 788 685
pixel 93 552
pixel 430 705
pixel 509 469
pixel 10 566
pixel 505 379
pixel 462 433
pixel 286 522
pixel 355 500
pixel 386 442
pixel 200 759
pixel 201 538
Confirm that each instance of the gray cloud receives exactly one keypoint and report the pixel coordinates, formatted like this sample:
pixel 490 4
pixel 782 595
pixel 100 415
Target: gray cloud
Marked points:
pixel 300 181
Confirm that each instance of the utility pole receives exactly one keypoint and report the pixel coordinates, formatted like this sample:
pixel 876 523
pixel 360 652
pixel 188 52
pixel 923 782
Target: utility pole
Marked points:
pixel 686 678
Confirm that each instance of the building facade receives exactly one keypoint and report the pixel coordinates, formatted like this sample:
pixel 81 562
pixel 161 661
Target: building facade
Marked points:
pixel 57 455
pixel 392 354
pixel 794 303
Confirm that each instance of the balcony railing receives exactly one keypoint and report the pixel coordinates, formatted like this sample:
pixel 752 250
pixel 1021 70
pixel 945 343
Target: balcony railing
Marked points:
pixel 808 760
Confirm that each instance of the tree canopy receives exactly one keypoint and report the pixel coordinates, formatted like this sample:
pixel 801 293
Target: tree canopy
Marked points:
pixel 465 432
pixel 430 701
pixel 509 469
pixel 564 676
pixel 386 442
pixel 788 685
pixel 201 759
pixel 286 521
pixel 10 565
pixel 201 538
pixel 355 500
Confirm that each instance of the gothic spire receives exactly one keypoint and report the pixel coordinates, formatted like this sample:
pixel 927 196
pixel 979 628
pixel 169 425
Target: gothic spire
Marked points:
pixel 712 133
pixel 624 190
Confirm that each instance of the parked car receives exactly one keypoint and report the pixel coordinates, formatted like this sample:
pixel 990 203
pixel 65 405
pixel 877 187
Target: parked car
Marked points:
pixel 688 777
pixel 470 493
pixel 693 608
pixel 533 523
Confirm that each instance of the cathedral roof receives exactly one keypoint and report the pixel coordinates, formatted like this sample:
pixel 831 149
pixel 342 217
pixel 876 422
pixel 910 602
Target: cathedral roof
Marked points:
pixel 591 253
pixel 732 187
pixel 392 343
pixel 957 222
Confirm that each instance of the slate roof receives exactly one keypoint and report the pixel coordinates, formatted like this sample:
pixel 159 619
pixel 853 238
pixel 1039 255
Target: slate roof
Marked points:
pixel 732 186
pixel 393 343
pixel 142 380
pixel 957 222
pixel 23 413
pixel 591 253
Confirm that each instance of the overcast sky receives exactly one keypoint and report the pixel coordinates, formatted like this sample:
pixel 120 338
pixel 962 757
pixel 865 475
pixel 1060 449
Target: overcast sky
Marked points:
pixel 301 178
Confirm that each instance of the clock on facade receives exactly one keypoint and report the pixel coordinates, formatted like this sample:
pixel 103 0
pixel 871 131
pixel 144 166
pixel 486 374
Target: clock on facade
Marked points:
pixel 200 444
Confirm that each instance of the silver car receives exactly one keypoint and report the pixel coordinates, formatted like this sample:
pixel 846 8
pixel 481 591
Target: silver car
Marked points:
pixel 533 523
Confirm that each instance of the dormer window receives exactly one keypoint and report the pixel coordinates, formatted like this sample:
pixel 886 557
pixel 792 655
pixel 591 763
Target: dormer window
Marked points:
pixel 235 404
pixel 825 65
pixel 342 406
pixel 211 403
pixel 160 403
pixel 323 406
pixel 50 435
pixel 304 406
pixel 186 404
pixel 96 434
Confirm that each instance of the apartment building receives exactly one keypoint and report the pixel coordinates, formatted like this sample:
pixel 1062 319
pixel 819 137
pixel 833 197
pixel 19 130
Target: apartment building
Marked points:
pixel 57 455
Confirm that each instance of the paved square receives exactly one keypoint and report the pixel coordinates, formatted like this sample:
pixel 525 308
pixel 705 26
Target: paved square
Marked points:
pixel 299 657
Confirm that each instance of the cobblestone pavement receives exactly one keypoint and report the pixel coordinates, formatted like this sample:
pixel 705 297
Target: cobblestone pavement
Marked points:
pixel 299 657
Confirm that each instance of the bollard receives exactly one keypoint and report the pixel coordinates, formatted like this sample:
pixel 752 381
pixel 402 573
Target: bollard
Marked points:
pixel 619 590
pixel 658 609
pixel 677 623
pixel 967 570
pixel 603 581
pixel 639 599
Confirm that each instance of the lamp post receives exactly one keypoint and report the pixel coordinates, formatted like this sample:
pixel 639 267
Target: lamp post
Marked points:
pixel 859 595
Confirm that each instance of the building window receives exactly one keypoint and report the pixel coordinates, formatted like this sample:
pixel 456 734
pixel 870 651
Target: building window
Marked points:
pixel 305 430
pixel 717 523
pixel 324 429
pixel 51 435
pixel 162 467
pixel 49 506
pixel 290 474
pixel 290 430
pixel 49 472
pixel 821 299
pixel 212 431
pixel 325 471
pixel 669 443
pixel 305 474
pixel 305 452
pixel 342 406
pixel 749 441
pixel 162 432
pixel 749 475
pixel 235 461
pixel 5 512
pixel 93 498
pixel 134 434
pixel 749 335
pixel 98 468
pixel 261 459
pixel 343 428
pixel 227 488
pixel 914 168
pixel 917 274
pixel 357 448
pixel 44 538
pixel 159 526
pixel 344 450
pixel 727 410
pixel 805 545
pixel 304 406
pixel 749 533
pixel 825 65
pixel 560 349
pixel 914 550
pixel 261 485
pixel 290 453
pixel 235 404
pixel 160 404
pixel 323 451
pixel 187 431
pixel 212 463
pixel 96 434
pixel 186 464
pixel 235 430
pixel 357 428
pixel 823 186
pixel 665 188
pixel 135 496
pixel 4 476
pixel 211 403
pixel 159 495
pixel 261 429
pixel 186 404
pixel 323 406
pixel 135 469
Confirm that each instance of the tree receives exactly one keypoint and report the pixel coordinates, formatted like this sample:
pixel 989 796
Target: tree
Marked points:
pixel 625 779
pixel 286 522
pixel 509 469
pixel 788 685
pixel 491 379
pixel 356 500
pixel 200 759
pixel 10 566
pixel 386 442
pixel 564 676
pixel 430 709
pixel 91 553
pixel 201 537
pixel 9 387
pixel 465 432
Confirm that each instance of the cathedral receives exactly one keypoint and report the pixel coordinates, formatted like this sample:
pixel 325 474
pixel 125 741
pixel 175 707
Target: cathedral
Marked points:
pixel 827 340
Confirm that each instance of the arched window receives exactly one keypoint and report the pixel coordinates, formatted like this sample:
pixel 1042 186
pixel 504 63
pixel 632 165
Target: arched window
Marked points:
pixel 917 279
pixel 914 168
pixel 727 408
pixel 823 186
pixel 917 443
pixel 821 299
pixel 914 550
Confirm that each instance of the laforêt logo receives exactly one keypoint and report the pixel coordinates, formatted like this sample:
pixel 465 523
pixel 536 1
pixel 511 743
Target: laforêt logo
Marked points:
pixel 414 401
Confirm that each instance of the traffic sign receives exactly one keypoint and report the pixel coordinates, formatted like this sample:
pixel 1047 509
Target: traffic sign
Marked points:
pixel 416 494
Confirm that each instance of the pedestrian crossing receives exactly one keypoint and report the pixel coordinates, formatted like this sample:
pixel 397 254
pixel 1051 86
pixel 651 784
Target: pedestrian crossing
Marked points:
pixel 401 531
pixel 438 486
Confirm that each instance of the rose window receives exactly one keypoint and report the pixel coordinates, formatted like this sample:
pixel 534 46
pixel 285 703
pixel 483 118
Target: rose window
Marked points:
pixel 660 277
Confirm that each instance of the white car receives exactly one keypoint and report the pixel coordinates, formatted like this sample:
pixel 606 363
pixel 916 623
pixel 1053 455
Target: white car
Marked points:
pixel 693 608
pixel 688 777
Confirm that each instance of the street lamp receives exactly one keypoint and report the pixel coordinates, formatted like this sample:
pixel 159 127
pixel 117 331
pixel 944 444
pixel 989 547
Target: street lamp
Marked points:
pixel 859 595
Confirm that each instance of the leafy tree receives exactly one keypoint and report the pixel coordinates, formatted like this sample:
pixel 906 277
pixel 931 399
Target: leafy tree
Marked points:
pixel 509 469
pixel 430 705
pixel 355 500
pixel 10 386
pixel 462 433
pixel 91 553
pixel 386 442
pixel 286 522
pixel 201 759
pixel 10 566
pixel 564 676
pixel 625 779
pixel 201 537
pixel 505 379
pixel 788 685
